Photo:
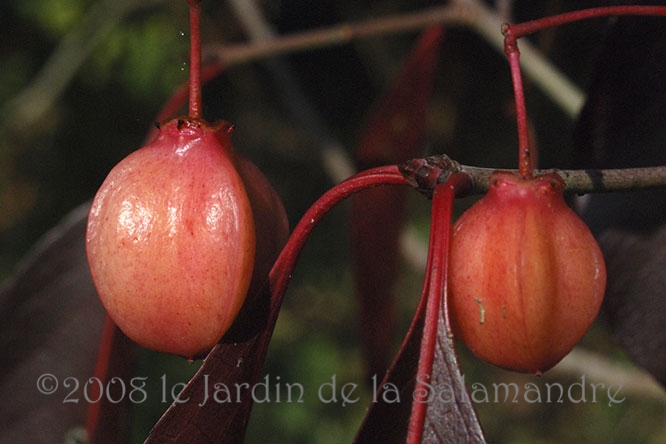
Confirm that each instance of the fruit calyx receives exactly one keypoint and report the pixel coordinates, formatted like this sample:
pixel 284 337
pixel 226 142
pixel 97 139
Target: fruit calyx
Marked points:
pixel 509 185
pixel 193 127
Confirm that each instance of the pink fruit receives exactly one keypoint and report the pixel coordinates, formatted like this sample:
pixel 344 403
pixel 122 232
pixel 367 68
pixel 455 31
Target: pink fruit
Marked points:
pixel 171 239
pixel 527 277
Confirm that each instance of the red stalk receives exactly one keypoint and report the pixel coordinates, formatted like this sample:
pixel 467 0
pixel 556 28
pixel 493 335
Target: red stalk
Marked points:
pixel 435 290
pixel 180 97
pixel 101 372
pixel 511 35
pixel 195 58
pixel 281 272
pixel 524 150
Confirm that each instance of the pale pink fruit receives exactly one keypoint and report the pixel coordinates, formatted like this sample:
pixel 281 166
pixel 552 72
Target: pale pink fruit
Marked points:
pixel 527 277
pixel 171 239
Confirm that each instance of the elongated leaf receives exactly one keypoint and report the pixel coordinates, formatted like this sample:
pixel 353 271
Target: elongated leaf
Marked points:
pixel 424 398
pixel 108 419
pixel 204 411
pixel 51 327
pixel 623 125
pixel 387 420
pixel 393 134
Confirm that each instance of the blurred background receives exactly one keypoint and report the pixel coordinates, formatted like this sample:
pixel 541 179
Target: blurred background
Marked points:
pixel 81 82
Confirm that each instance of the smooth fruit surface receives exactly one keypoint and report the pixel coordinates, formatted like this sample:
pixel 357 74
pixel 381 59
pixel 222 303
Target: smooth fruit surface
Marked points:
pixel 527 277
pixel 171 239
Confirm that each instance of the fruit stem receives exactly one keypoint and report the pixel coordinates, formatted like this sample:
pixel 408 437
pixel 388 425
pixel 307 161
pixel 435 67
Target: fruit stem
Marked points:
pixel 525 164
pixel 195 58
pixel 511 33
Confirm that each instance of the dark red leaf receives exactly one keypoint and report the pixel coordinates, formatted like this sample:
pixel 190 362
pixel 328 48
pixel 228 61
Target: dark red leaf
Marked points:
pixel 387 419
pixel 393 135
pixel 434 405
pixel 395 130
pixel 376 224
pixel 197 417
pixel 622 125
pixel 51 325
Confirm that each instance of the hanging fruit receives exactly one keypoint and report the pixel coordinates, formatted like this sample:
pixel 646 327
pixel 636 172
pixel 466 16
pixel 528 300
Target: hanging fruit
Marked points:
pixel 180 229
pixel 171 239
pixel 527 277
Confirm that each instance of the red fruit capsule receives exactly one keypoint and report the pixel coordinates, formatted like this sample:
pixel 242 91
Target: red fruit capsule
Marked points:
pixel 527 277
pixel 171 239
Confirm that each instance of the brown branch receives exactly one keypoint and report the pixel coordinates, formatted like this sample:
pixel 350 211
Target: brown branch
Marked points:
pixel 425 174
pixel 588 181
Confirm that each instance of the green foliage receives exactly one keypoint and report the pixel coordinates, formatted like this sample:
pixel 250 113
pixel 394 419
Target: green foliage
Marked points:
pixel 54 17
pixel 148 58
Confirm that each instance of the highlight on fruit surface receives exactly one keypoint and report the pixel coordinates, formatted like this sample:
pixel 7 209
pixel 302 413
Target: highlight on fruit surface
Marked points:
pixel 526 276
pixel 171 239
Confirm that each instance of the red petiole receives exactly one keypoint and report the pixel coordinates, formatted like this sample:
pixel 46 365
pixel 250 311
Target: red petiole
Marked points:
pixel 435 292
pixel 284 265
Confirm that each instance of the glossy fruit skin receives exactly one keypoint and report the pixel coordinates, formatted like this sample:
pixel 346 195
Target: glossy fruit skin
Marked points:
pixel 171 239
pixel 527 277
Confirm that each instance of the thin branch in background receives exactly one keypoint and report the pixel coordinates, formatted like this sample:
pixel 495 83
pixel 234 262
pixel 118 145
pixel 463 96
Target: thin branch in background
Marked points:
pixel 468 13
pixel 504 10
pixel 265 43
pixel 332 36
pixel 337 164
pixel 34 102
pixel 632 380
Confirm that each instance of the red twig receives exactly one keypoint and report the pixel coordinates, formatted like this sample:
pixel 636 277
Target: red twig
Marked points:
pixel 529 27
pixel 179 98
